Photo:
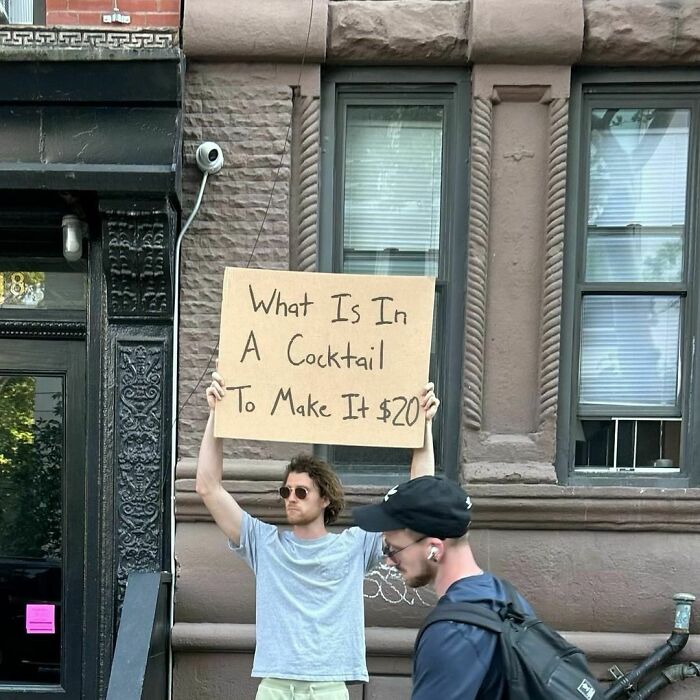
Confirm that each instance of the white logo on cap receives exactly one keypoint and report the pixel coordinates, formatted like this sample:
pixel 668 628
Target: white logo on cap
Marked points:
pixel 391 492
pixel 469 503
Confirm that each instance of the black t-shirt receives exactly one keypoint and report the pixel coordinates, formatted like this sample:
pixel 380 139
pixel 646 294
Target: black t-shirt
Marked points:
pixel 456 661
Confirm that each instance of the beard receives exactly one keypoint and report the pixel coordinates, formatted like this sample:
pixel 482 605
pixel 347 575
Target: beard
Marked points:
pixel 422 578
pixel 298 517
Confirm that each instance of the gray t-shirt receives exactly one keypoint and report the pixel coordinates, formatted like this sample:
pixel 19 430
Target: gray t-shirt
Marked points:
pixel 309 605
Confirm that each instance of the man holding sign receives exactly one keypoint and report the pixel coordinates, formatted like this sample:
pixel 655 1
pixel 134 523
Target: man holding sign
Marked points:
pixel 309 600
pixel 315 358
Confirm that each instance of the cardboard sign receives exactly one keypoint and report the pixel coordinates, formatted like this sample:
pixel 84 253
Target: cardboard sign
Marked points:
pixel 40 619
pixel 321 358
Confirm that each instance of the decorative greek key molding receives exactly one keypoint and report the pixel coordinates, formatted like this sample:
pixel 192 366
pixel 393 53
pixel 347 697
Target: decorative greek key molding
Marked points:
pixel 304 225
pixel 138 448
pixel 477 260
pixel 42 37
pixel 553 260
pixel 137 263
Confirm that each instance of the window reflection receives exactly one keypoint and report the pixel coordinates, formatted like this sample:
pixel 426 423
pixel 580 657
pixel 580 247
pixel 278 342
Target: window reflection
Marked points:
pixel 637 189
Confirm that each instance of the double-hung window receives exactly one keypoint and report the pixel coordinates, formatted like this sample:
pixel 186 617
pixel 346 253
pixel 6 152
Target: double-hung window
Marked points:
pixel 632 239
pixel 393 202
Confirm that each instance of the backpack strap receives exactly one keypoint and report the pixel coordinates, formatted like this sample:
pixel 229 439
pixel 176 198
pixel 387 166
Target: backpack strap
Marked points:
pixel 512 607
pixel 468 613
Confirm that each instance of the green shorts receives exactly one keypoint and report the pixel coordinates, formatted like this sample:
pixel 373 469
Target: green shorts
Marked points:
pixel 276 689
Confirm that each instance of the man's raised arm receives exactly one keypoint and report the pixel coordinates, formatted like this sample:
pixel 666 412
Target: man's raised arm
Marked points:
pixel 423 462
pixel 210 466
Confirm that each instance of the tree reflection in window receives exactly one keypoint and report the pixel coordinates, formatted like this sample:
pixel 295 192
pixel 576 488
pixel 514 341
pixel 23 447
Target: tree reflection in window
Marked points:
pixel 31 459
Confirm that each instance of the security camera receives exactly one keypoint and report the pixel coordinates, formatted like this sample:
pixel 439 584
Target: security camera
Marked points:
pixel 209 157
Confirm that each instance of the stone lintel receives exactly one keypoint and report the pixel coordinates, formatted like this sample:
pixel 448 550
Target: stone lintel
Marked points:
pixel 425 32
pixel 398 32
pixel 539 32
pixel 641 32
pixel 251 30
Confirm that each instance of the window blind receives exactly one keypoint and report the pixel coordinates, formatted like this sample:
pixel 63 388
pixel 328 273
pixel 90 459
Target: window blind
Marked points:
pixel 629 350
pixel 392 189
pixel 20 11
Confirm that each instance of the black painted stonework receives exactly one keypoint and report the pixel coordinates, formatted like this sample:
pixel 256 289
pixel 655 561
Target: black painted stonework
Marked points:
pixel 139 446
pixel 138 263
pixel 42 329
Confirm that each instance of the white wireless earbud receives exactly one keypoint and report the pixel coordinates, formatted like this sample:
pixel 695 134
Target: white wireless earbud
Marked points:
pixel 432 553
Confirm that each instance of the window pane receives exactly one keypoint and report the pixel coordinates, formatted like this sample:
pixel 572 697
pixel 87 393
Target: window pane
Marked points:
pixel 21 11
pixel 31 542
pixel 629 350
pixel 634 255
pixel 637 194
pixel 392 189
pixel 626 444
pixel 41 284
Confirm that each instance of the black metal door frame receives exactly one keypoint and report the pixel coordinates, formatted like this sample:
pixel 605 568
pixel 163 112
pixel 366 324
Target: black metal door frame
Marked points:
pixel 64 358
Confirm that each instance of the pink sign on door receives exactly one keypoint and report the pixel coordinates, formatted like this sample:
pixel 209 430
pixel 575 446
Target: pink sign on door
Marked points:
pixel 41 619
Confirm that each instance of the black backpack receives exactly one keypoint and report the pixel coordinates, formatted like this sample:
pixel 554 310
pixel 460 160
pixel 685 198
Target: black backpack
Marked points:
pixel 539 664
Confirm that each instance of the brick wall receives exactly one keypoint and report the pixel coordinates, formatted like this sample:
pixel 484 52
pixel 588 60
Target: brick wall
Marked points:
pixel 247 111
pixel 143 13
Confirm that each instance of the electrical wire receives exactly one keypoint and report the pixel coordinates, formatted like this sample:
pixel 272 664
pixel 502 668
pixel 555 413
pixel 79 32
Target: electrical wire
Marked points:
pixel 267 208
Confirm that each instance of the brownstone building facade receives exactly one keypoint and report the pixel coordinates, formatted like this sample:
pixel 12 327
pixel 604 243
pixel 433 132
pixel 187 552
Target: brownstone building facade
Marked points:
pixel 540 159
pixel 563 134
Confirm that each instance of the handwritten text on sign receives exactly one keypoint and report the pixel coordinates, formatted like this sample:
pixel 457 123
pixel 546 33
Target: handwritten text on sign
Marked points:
pixel 320 358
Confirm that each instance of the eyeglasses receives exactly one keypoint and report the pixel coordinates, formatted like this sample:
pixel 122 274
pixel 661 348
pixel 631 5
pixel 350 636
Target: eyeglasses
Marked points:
pixel 301 492
pixel 389 553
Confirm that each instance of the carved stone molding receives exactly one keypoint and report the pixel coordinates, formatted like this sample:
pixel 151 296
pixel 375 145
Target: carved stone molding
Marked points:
pixel 57 38
pixel 498 511
pixel 139 439
pixel 492 86
pixel 198 637
pixel 553 260
pixel 496 506
pixel 138 261
pixel 304 183
pixel 477 260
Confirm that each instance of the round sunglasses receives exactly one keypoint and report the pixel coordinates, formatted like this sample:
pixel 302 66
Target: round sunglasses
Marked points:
pixel 301 492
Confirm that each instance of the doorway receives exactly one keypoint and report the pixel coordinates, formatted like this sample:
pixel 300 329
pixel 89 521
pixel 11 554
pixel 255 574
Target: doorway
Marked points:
pixel 42 480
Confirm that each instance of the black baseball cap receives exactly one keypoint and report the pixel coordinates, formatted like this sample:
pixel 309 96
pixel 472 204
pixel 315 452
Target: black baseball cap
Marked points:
pixel 430 505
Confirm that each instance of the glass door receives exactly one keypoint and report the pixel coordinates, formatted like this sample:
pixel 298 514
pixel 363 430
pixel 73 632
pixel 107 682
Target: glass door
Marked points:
pixel 42 517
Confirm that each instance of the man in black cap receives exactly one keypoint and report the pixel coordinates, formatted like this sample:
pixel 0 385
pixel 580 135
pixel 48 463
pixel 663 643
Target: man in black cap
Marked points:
pixel 425 524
